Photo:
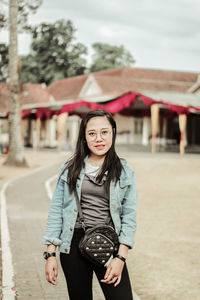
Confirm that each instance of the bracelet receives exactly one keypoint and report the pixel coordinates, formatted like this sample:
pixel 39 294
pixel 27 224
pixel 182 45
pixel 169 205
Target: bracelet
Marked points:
pixel 121 257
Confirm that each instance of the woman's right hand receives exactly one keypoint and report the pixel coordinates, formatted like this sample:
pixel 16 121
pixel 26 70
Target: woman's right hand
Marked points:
pixel 51 270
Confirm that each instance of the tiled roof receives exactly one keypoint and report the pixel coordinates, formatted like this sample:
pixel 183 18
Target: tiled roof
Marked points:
pixel 68 88
pixel 34 93
pixel 165 75
pixel 118 81
pixel 120 85
pixel 30 94
pixel 111 82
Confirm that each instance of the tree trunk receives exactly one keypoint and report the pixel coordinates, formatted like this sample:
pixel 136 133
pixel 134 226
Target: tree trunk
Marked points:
pixel 16 149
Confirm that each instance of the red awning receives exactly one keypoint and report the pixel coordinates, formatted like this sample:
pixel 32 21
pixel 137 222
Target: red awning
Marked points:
pixel 43 112
pixel 118 105
pixel 73 106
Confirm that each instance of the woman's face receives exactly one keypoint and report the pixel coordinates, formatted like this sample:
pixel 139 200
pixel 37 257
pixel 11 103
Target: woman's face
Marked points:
pixel 99 135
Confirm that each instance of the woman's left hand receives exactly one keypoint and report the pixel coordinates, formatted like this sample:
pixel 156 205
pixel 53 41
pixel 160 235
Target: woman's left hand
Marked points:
pixel 114 272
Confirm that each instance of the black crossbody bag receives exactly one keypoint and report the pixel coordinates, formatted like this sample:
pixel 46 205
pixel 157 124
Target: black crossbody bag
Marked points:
pixel 99 243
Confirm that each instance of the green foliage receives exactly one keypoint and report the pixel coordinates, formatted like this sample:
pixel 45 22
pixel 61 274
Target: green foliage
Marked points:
pixel 26 7
pixel 54 54
pixel 2 20
pixel 3 62
pixel 110 57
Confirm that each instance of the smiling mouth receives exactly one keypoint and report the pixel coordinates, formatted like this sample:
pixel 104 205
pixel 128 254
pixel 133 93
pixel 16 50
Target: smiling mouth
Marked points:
pixel 99 146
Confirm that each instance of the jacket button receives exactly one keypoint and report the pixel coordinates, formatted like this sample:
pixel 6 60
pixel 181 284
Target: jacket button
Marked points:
pixel 70 229
pixel 75 209
pixel 77 185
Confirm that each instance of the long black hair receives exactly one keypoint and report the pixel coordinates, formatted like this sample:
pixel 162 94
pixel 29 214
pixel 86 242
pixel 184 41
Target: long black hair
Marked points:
pixel 111 164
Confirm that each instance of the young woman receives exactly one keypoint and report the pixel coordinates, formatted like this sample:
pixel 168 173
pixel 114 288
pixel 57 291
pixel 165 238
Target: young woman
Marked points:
pixel 107 191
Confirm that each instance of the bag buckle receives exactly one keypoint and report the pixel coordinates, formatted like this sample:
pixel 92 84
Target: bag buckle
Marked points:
pixel 82 224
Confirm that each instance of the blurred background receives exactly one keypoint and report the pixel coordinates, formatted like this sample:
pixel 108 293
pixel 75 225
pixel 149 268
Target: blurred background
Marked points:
pixel 140 60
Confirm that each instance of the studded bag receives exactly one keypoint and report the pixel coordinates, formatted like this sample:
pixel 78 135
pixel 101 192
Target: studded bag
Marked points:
pixel 99 243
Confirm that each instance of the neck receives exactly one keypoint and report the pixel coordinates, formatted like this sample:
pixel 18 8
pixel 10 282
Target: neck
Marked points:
pixel 96 159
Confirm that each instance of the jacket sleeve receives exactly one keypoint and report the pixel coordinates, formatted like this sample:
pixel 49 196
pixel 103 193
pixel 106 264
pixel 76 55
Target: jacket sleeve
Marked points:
pixel 128 215
pixel 55 218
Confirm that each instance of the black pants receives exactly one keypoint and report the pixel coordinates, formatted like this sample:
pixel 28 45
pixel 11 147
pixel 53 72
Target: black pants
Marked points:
pixel 78 272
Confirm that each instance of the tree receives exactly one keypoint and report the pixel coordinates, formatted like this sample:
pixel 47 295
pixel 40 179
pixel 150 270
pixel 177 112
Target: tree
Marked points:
pixel 16 150
pixel 16 153
pixel 25 8
pixel 54 54
pixel 110 57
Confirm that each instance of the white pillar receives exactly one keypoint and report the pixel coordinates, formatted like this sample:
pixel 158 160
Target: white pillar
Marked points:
pixel 34 134
pixel 74 131
pixel 145 131
pixel 52 132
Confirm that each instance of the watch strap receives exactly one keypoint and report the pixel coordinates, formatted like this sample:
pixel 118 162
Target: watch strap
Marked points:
pixel 121 257
pixel 49 254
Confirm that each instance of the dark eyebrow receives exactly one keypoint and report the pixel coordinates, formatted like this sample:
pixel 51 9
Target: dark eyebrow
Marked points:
pixel 95 130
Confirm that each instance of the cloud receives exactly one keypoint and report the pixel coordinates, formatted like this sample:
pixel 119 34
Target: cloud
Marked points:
pixel 156 32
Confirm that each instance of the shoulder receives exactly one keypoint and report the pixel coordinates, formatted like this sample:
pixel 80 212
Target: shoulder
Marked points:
pixel 126 168
pixel 63 168
pixel 127 171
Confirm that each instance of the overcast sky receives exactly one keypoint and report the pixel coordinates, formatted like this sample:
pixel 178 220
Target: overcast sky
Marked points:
pixel 159 34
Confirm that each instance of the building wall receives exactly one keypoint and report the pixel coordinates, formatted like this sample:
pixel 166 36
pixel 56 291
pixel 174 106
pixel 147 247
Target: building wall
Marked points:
pixel 4 131
pixel 132 130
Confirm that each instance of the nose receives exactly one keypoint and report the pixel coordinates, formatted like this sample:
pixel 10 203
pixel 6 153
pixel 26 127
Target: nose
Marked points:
pixel 98 136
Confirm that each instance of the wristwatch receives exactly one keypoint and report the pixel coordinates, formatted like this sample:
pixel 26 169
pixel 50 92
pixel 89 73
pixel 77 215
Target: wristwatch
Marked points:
pixel 121 257
pixel 48 254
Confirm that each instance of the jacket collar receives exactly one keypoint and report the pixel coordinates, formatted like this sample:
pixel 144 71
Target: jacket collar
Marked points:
pixel 83 168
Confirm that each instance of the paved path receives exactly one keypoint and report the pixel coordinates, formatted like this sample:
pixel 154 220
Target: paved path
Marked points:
pixel 27 207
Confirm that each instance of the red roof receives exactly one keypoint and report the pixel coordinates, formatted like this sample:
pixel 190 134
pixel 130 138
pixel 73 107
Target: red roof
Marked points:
pixel 118 81
pixel 111 82
pixel 68 88
pixel 123 80
pixel 30 94
pixel 34 93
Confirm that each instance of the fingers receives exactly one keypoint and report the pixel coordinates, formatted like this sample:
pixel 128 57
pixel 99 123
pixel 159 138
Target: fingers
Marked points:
pixel 107 272
pixel 51 278
pixel 55 274
pixel 118 281
pixel 111 278
pixel 51 272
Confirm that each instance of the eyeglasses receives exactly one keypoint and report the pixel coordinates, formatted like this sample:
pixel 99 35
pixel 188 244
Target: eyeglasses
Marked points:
pixel 104 134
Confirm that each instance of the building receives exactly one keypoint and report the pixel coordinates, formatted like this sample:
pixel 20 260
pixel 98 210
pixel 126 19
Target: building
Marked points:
pixel 150 106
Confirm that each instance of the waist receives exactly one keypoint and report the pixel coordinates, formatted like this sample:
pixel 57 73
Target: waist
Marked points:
pixel 78 234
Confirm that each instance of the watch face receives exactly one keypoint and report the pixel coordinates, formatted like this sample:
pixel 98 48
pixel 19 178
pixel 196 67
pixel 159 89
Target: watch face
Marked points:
pixel 45 255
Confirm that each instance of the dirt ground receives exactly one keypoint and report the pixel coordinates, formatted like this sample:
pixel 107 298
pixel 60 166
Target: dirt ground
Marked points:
pixel 35 159
pixel 165 261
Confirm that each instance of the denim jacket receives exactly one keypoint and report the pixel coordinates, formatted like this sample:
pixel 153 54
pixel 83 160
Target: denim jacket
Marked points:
pixel 63 209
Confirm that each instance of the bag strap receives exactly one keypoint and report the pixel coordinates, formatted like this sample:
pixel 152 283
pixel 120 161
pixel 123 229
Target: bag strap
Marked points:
pixel 79 209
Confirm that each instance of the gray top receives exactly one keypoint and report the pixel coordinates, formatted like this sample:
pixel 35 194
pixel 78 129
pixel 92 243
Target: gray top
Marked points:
pixel 94 199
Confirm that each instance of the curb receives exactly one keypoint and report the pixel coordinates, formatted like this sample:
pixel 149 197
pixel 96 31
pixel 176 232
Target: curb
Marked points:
pixel 8 285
